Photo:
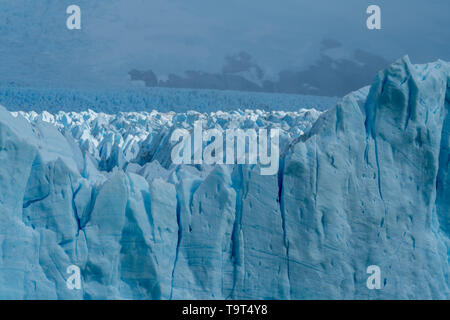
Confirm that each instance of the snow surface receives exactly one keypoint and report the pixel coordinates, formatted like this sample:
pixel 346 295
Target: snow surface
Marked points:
pixel 367 183
pixel 16 98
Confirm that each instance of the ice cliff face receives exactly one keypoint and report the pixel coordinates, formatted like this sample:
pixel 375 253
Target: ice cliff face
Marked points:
pixel 366 184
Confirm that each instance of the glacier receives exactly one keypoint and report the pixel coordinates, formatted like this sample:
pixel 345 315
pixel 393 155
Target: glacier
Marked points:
pixel 364 183
pixel 34 98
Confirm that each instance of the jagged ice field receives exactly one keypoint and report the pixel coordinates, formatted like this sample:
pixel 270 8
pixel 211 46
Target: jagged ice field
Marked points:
pixel 363 183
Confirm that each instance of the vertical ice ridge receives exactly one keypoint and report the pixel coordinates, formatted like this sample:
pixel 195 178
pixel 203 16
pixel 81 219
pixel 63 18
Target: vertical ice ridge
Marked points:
pixel 283 221
pixel 236 233
pixel 177 252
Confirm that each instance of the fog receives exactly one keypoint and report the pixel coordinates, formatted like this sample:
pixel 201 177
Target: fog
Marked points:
pixel 295 46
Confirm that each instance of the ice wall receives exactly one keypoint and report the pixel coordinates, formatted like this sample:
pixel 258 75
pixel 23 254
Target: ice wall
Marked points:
pixel 368 184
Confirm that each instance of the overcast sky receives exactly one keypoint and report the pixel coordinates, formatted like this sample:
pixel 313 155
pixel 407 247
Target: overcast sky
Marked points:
pixel 173 36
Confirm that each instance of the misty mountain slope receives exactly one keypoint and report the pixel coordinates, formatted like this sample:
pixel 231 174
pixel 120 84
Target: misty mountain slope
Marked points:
pixel 365 184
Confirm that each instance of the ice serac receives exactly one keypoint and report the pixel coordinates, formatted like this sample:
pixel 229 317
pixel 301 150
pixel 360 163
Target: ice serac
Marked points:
pixel 23 265
pixel 365 183
pixel 206 215
pixel 361 190
pixel 259 238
